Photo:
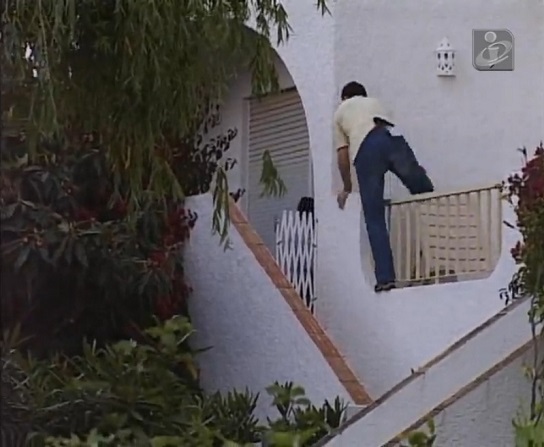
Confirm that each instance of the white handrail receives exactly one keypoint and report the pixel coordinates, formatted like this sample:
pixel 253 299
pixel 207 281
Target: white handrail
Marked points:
pixel 438 195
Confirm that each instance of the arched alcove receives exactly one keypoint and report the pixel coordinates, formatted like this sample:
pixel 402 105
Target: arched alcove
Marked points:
pixel 276 124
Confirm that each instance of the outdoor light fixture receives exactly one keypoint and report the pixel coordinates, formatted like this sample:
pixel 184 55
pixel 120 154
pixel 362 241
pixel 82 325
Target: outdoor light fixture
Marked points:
pixel 445 58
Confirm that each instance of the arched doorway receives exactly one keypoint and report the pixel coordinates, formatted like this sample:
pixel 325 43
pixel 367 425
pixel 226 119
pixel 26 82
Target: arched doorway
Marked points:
pixel 287 224
pixel 277 126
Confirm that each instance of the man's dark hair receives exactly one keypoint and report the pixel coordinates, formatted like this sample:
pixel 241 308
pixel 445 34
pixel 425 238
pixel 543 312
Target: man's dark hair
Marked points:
pixel 306 205
pixel 352 89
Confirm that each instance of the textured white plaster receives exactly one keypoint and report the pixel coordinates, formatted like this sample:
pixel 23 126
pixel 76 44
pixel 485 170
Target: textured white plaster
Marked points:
pixel 255 337
pixel 441 381
pixel 465 130
pixel 385 336
pixel 484 416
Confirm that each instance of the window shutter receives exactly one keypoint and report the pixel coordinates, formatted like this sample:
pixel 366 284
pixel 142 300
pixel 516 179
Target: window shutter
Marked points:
pixel 277 123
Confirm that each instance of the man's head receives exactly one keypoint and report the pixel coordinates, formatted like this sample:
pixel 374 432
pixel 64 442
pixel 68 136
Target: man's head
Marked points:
pixel 352 89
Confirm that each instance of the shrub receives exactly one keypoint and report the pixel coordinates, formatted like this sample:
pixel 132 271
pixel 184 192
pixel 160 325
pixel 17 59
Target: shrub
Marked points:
pixel 132 394
pixel 525 191
pixel 76 261
pixel 299 418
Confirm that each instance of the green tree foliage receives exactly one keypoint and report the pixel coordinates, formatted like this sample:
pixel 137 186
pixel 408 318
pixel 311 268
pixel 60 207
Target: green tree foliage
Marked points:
pixel 74 262
pixel 135 73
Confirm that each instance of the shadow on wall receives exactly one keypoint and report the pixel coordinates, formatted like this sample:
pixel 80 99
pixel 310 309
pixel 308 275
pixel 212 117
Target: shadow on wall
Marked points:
pixel 367 262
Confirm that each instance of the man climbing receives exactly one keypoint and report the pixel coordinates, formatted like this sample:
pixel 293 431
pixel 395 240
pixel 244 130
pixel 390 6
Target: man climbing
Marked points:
pixel 363 139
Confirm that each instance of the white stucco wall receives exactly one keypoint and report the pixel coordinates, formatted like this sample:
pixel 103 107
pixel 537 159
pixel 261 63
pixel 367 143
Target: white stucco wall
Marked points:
pixel 386 336
pixel 465 131
pixel 255 337
pixel 484 416
pixel 471 361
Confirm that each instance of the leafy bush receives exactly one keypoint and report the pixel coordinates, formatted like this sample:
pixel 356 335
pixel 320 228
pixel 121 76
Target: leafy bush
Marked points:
pixel 525 191
pixel 132 70
pixel 420 438
pixel 299 419
pixel 76 261
pixel 132 394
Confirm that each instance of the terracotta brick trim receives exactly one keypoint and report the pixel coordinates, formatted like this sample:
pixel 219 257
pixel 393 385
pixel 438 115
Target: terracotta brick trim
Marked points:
pixel 329 351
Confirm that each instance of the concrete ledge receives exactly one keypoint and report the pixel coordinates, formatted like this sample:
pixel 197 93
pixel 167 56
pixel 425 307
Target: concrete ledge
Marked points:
pixel 446 378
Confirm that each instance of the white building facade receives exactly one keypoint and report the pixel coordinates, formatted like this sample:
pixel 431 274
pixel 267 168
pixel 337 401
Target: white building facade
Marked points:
pixel 464 125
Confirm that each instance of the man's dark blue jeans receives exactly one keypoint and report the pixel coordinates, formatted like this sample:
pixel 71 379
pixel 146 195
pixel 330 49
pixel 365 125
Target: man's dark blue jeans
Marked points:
pixel 371 165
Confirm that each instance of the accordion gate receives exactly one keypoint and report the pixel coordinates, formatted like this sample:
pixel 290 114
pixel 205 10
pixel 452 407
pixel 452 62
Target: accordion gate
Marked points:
pixel 296 252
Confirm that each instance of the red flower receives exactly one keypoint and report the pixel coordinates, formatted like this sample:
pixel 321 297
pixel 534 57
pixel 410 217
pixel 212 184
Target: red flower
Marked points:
pixel 517 252
pixel 82 214
pixel 120 207
pixel 166 307
pixel 158 257
pixel 168 239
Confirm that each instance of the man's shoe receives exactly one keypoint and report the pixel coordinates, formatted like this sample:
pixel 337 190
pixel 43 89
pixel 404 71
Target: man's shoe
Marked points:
pixel 386 287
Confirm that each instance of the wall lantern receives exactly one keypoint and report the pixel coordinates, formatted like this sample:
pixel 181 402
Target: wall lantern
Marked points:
pixel 445 58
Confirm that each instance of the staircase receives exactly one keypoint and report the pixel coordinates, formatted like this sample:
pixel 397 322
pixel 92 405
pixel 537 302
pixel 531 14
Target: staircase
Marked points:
pixel 257 325
pixel 439 384
pixel 453 239
pixel 447 250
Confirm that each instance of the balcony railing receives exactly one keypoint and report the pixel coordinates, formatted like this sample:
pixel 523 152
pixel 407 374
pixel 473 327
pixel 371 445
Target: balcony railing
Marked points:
pixel 455 236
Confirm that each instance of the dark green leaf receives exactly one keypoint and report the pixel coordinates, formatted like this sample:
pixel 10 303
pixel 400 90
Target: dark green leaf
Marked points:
pixel 81 256
pixel 22 257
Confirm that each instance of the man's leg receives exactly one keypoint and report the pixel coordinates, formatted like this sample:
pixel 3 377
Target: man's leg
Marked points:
pixel 371 165
pixel 404 164
pixel 374 211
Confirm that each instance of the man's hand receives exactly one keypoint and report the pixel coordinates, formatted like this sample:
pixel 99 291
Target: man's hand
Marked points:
pixel 341 198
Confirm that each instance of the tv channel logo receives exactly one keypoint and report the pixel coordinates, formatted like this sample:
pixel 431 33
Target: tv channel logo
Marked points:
pixel 492 50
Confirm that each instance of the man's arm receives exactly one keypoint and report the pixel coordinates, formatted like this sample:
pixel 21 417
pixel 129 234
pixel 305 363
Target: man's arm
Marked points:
pixel 342 150
pixel 344 166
